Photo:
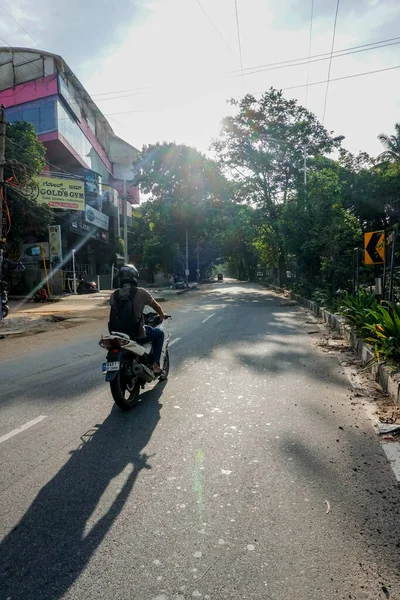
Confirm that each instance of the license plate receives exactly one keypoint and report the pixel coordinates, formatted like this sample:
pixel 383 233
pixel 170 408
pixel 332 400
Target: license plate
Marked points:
pixel 110 366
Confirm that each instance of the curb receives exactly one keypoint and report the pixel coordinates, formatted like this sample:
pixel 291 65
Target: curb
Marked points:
pixel 388 377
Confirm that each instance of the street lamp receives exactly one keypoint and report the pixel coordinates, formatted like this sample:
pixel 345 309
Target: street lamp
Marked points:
pixel 338 138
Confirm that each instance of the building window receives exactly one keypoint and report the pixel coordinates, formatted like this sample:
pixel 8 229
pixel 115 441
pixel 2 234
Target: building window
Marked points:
pixel 42 115
pixel 79 142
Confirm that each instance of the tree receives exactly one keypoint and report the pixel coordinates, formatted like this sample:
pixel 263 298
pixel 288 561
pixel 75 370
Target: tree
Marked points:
pixel 320 232
pixel 261 148
pixel 185 190
pixel 25 158
pixel 391 144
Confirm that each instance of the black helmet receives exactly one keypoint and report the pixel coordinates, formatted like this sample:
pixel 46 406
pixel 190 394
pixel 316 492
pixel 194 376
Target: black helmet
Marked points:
pixel 128 274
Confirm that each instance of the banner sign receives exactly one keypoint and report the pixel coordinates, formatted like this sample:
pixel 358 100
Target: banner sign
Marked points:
pixel 68 194
pixel 31 252
pixel 55 243
pixel 97 218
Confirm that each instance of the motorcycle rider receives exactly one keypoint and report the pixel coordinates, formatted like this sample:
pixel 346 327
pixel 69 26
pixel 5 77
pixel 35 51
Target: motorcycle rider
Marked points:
pixel 128 289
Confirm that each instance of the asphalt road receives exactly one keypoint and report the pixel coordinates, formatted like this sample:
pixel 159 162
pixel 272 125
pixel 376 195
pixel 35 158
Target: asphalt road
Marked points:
pixel 249 474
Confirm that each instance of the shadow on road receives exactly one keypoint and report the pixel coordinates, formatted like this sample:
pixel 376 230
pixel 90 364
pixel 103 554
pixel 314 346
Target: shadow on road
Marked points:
pixel 48 550
pixel 45 553
pixel 350 470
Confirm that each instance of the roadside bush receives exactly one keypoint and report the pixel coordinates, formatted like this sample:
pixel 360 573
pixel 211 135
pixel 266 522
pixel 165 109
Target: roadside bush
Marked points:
pixel 355 308
pixel 383 329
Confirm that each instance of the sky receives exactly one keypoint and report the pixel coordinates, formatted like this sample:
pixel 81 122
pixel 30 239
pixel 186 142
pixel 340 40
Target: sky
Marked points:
pixel 163 70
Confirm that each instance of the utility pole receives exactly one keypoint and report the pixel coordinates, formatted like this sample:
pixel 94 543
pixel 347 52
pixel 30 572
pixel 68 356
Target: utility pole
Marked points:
pixel 305 164
pixel 392 264
pixel 198 261
pixel 187 259
pixel 3 124
pixel 125 201
pixel 74 270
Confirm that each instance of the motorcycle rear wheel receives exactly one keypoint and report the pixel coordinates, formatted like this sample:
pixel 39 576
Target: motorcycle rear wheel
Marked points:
pixel 125 396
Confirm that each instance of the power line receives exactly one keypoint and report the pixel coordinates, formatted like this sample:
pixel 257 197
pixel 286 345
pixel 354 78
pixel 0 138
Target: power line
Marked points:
pixel 309 50
pixel 121 97
pixel 147 87
pixel 18 24
pixel 238 35
pixel 330 61
pixel 277 65
pixel 270 69
pixel 215 27
pixel 260 68
pixel 327 56
pixel 295 87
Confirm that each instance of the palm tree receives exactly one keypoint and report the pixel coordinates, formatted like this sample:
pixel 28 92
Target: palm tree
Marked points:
pixel 392 145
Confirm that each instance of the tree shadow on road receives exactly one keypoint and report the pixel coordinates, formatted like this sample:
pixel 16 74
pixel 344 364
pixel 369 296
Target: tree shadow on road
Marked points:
pixel 48 549
pixel 347 466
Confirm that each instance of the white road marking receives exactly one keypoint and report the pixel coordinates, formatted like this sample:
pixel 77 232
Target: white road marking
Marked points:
pixel 209 317
pixel 173 342
pixel 14 432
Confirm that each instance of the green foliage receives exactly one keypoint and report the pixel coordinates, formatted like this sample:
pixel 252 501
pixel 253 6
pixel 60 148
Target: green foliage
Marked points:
pixel 355 308
pixel 252 207
pixel 383 327
pixel 378 323
pixel 261 149
pixel 319 231
pixel 391 144
pixel 25 158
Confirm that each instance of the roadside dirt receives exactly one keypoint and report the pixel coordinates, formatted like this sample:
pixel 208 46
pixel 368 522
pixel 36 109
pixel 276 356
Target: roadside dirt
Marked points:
pixel 53 333
pixel 363 389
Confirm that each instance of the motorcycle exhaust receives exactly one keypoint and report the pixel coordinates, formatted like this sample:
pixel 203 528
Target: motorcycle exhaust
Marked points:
pixel 144 373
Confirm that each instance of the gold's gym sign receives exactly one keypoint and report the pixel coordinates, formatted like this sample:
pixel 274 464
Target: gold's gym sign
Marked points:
pixel 67 194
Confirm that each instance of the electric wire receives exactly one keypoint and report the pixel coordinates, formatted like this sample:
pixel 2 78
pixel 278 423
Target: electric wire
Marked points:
pixel 239 40
pixel 309 51
pixel 283 64
pixel 215 27
pixel 295 87
pixel 330 61
pixel 18 24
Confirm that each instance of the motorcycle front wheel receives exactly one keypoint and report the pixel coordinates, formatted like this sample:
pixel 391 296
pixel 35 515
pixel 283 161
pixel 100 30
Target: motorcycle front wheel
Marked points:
pixel 4 310
pixel 165 372
pixel 125 393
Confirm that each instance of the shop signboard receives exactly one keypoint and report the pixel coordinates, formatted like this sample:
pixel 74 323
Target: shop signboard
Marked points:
pixel 82 227
pixel 67 194
pixel 97 218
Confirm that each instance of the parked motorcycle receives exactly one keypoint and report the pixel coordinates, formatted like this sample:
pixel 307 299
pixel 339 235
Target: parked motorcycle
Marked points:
pixel 128 366
pixel 86 287
pixel 4 299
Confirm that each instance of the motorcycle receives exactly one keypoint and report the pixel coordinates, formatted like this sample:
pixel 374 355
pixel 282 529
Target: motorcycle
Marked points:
pixel 86 287
pixel 4 299
pixel 128 364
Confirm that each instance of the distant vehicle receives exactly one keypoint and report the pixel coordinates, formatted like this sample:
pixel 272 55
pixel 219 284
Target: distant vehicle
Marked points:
pixel 220 277
pixel 86 287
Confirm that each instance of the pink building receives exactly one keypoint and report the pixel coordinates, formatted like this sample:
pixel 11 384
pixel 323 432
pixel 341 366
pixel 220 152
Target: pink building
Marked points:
pixel 39 87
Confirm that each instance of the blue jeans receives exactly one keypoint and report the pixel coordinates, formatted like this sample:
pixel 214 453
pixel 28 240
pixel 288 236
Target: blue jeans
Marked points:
pixel 156 337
